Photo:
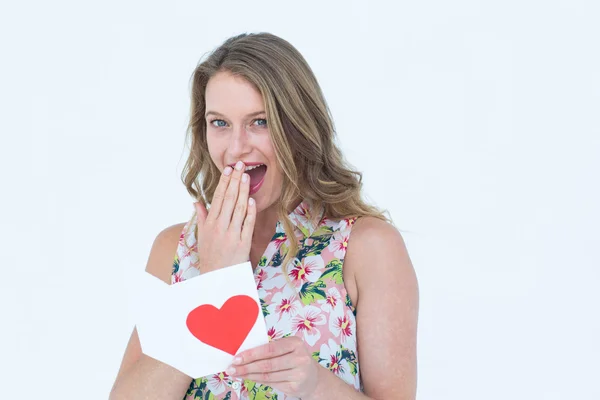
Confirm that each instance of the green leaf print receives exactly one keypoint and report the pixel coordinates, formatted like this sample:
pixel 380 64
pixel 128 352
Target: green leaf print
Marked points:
pixel 278 236
pixel 333 271
pixel 350 305
pixel 264 306
pixel 209 396
pixel 196 388
pixel 262 392
pixel 249 385
pixel 263 261
pixel 317 356
pixel 176 264
pixel 319 243
pixel 310 292
pixel 276 260
pixel 323 230
pixel 350 357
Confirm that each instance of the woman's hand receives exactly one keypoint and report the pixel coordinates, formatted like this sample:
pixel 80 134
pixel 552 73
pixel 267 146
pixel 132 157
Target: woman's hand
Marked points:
pixel 224 233
pixel 284 364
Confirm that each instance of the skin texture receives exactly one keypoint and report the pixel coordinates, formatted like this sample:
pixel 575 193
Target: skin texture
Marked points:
pixel 378 275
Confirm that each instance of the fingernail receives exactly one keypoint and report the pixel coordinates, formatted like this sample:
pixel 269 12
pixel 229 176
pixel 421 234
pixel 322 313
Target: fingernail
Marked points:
pixel 245 178
pixel 237 360
pixel 227 171
pixel 230 371
pixel 238 165
pixel 251 201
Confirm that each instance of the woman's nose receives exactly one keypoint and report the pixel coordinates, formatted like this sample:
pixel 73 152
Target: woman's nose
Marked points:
pixel 239 140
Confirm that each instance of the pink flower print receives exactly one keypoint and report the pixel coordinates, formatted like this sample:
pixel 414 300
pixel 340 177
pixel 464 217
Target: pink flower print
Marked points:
pixel 299 272
pixel 307 321
pixel 286 306
pixel 306 270
pixel 338 245
pixel 302 216
pixel 342 325
pixel 335 363
pixel 177 277
pixel 330 356
pixel 184 245
pixel 332 299
pixel 302 211
pixel 279 241
pixel 274 279
pixel 345 325
pixel 218 383
pixel 274 334
pixel 259 278
pixel 283 306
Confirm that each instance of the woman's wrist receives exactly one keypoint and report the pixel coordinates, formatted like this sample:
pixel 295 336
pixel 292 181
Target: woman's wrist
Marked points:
pixel 324 382
pixel 331 386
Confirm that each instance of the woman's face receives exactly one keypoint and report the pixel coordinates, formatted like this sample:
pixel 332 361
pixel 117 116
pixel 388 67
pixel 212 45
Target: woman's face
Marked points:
pixel 236 129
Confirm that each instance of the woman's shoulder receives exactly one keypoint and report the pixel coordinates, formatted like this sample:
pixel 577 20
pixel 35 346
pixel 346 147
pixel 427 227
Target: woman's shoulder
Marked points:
pixel 376 246
pixel 163 251
pixel 170 235
pixel 367 227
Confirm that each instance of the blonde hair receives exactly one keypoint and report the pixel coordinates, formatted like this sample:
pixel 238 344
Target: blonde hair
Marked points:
pixel 300 125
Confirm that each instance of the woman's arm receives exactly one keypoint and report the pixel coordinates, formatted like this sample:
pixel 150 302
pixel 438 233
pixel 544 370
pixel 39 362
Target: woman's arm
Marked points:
pixel 140 376
pixel 382 284
pixel 387 314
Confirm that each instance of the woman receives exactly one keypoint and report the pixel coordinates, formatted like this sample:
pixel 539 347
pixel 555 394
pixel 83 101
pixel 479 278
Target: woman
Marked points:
pixel 341 310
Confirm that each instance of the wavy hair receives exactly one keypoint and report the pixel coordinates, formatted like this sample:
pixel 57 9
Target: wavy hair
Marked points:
pixel 300 126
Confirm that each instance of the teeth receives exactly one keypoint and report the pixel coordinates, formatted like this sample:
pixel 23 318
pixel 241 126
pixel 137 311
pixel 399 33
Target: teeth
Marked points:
pixel 252 167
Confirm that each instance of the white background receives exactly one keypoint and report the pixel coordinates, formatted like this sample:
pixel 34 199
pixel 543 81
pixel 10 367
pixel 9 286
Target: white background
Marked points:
pixel 475 123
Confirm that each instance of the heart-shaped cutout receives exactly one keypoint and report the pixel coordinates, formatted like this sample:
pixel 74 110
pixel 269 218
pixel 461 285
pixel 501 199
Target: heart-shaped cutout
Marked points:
pixel 225 328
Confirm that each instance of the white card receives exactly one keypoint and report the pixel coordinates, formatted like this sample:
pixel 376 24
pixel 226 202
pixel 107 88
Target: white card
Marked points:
pixel 198 325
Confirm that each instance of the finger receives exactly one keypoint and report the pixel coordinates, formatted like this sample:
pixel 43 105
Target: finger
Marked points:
pixel 219 195
pixel 248 227
pixel 270 365
pixel 272 349
pixel 241 205
pixel 231 195
pixel 271 377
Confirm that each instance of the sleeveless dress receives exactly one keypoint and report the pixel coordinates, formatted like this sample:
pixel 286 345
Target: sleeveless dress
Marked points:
pixel 312 303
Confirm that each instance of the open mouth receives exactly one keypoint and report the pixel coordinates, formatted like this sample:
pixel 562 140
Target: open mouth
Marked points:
pixel 257 176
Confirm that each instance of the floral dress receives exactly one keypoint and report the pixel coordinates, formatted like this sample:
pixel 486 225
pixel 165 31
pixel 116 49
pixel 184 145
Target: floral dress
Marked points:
pixel 312 303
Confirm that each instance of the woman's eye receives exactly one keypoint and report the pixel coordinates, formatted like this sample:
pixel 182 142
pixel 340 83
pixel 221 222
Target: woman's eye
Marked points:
pixel 216 120
pixel 212 122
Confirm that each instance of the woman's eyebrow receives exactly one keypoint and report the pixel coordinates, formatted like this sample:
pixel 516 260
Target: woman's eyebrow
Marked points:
pixel 221 115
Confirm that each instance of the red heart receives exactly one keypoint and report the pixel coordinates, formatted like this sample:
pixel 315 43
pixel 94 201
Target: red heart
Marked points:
pixel 225 328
